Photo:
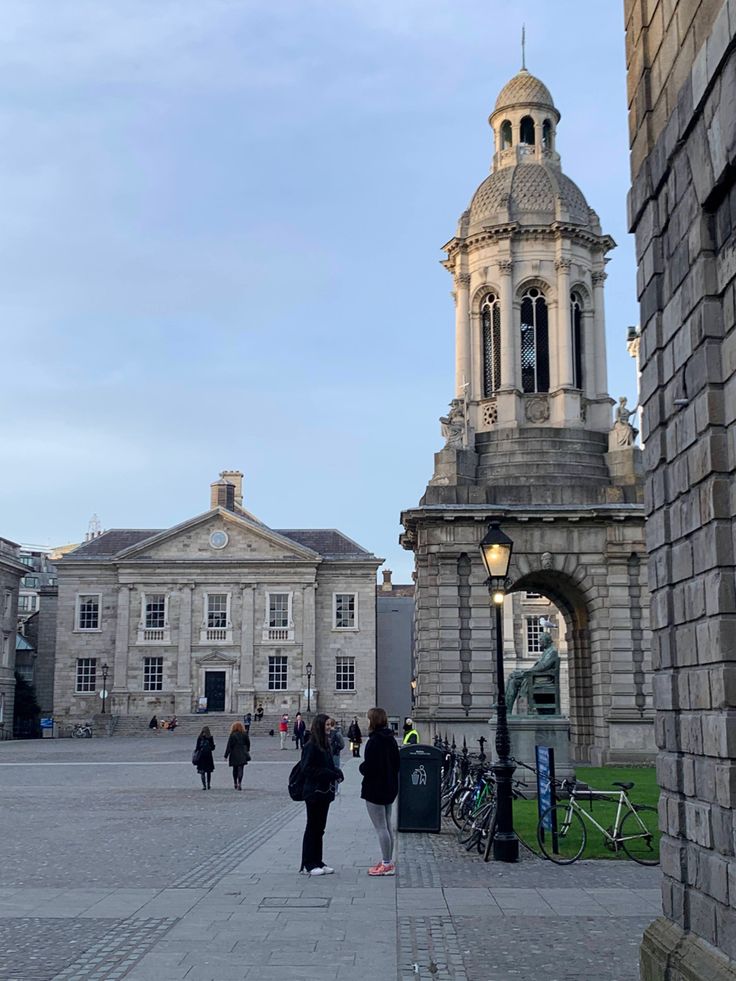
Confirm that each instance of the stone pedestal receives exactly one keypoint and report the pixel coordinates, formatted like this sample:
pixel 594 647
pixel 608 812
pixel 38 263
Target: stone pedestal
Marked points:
pixel 528 731
pixel 454 465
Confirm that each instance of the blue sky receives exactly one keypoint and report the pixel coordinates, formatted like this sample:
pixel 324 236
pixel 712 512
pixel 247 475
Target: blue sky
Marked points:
pixel 220 245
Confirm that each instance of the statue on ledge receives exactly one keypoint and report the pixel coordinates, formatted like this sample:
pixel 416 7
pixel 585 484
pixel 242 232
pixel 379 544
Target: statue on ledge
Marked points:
pixel 623 432
pixel 453 424
pixel 546 670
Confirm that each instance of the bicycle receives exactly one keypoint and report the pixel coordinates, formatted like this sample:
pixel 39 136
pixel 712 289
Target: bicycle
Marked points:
pixel 562 835
pixel 82 731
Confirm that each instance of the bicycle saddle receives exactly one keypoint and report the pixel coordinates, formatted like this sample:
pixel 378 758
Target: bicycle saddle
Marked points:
pixel 623 786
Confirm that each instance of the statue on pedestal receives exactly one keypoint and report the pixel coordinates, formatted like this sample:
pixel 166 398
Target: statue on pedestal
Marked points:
pixel 623 432
pixel 453 424
pixel 546 670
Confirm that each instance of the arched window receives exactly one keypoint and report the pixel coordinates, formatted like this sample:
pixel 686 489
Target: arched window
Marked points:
pixel 534 342
pixel 547 135
pixel 506 135
pixel 576 326
pixel 490 316
pixel 526 130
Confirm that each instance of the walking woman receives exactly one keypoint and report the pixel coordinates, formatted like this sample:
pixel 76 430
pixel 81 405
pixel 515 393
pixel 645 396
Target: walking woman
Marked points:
pixel 355 736
pixel 320 776
pixel 380 769
pixel 205 761
pixel 237 752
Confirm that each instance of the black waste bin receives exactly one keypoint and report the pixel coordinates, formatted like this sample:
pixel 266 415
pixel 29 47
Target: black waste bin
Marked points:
pixel 420 786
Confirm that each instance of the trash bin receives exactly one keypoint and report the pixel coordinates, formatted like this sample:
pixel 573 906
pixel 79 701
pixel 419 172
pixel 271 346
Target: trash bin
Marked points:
pixel 420 785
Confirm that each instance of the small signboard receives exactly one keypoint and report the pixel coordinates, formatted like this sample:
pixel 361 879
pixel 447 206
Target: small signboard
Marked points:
pixel 202 703
pixel 47 723
pixel 47 728
pixel 545 757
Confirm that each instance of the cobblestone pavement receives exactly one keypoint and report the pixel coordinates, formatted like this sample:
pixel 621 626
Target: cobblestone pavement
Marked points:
pixel 136 873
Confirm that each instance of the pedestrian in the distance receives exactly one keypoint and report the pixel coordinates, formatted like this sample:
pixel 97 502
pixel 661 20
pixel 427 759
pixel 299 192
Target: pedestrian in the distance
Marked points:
pixel 411 736
pixel 237 752
pixel 259 712
pixel 380 769
pixel 205 760
pixel 300 728
pixel 337 745
pixel 355 736
pixel 153 724
pixel 320 776
pixel 283 729
pixel 247 719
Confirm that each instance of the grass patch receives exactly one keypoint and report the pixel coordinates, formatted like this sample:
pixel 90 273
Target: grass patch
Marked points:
pixel 645 791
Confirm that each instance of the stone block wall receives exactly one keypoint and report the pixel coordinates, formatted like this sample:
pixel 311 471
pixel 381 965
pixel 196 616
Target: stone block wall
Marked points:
pixel 681 61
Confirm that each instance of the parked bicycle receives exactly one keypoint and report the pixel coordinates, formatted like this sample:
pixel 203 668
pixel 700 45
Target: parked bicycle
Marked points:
pixel 82 731
pixel 562 834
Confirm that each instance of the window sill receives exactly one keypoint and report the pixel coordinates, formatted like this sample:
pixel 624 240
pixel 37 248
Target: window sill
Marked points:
pixel 345 630
pixel 87 630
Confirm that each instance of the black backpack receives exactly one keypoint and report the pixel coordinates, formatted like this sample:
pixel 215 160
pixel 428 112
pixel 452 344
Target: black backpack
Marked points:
pixel 296 782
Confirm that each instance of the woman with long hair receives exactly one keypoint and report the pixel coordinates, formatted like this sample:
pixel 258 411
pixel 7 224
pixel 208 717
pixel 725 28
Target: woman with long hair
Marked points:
pixel 380 769
pixel 205 761
pixel 237 752
pixel 320 775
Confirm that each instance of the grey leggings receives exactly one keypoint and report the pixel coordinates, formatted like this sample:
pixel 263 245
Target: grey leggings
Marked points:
pixel 380 815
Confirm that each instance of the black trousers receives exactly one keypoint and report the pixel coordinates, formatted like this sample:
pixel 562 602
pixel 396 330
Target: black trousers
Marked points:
pixel 314 832
pixel 238 774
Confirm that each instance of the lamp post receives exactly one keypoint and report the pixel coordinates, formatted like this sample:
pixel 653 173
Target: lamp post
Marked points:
pixel 495 550
pixel 105 669
pixel 309 686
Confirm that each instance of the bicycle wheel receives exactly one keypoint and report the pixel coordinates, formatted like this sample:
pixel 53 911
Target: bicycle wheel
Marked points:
pixel 569 843
pixel 639 835
pixel 490 833
pixel 459 805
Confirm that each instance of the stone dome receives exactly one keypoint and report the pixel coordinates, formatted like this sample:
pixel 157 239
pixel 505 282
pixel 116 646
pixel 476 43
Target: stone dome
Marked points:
pixel 529 193
pixel 524 89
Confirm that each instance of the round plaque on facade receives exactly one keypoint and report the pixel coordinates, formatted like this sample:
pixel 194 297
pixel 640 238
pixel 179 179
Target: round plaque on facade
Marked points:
pixel 218 539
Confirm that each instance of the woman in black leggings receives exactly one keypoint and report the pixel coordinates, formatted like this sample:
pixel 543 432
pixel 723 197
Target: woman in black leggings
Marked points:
pixel 237 752
pixel 320 777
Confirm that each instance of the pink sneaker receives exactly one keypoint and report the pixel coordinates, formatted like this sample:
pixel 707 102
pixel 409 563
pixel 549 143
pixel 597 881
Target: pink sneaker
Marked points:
pixel 382 869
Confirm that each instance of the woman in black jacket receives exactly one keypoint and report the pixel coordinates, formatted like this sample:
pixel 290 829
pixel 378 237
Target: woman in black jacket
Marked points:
pixel 237 752
pixel 205 762
pixel 355 736
pixel 320 776
pixel 380 769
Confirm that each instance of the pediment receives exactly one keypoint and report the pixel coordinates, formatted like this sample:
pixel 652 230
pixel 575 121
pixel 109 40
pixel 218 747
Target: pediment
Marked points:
pixel 247 540
pixel 216 657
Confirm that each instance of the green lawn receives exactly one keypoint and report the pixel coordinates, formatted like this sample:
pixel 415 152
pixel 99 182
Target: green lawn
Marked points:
pixel 645 791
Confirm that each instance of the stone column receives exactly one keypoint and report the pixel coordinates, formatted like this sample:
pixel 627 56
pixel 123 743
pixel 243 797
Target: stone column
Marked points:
pixel 509 340
pixel 122 642
pixel 247 648
pixel 462 334
pixel 599 313
pixel 183 695
pixel 309 637
pixel 563 372
pixel 590 376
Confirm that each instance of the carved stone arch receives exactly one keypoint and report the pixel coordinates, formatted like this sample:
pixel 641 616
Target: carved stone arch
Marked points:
pixel 529 282
pixel 585 296
pixel 480 294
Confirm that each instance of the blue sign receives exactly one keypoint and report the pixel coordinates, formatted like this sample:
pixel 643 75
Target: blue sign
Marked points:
pixel 47 723
pixel 545 784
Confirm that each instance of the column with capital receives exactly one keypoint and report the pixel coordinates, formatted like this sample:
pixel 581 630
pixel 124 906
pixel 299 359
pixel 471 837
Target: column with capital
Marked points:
pixel 309 640
pixel 601 381
pixel 563 373
pixel 462 334
pixel 509 359
pixel 183 694
pixel 246 688
pixel 122 645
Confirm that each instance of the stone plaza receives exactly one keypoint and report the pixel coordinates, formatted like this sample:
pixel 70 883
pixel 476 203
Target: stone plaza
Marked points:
pixel 137 873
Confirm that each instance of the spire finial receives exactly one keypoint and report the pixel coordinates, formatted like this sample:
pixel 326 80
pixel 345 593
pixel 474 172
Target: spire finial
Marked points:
pixel 523 47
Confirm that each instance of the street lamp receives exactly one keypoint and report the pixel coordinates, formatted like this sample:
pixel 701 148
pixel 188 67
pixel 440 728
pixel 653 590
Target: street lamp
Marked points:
pixel 105 669
pixel 495 550
pixel 309 686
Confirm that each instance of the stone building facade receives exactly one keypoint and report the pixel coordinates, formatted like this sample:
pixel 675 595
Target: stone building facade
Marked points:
pixel 530 441
pixel 221 606
pixel 681 59
pixel 11 572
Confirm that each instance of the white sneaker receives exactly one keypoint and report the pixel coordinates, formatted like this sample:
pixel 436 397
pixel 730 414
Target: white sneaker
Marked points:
pixel 326 870
pixel 317 871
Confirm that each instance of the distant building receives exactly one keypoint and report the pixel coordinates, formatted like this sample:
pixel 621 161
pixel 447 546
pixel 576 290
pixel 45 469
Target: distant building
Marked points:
pixel 394 648
pixel 40 572
pixel 11 572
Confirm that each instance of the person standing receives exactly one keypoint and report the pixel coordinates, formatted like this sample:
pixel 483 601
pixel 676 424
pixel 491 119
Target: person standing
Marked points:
pixel 259 712
pixel 153 724
pixel 355 736
pixel 283 729
pixel 205 760
pixel 237 752
pixel 320 775
pixel 300 728
pixel 337 745
pixel 411 736
pixel 380 787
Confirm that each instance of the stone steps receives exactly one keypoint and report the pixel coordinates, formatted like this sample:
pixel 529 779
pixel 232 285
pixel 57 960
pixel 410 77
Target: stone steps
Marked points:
pixel 190 725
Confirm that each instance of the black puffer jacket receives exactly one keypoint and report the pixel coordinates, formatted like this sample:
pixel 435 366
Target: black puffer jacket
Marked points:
pixel 320 773
pixel 380 768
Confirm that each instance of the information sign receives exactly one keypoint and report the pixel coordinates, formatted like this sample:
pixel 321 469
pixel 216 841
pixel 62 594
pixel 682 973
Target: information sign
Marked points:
pixel 545 785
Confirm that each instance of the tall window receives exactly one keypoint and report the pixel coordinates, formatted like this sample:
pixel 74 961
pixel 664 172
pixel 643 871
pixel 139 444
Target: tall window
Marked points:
pixel 86 674
pixel 490 316
pixel 216 611
pixel 507 138
pixel 534 342
pixel 88 612
pixel 533 634
pixel 278 610
pixel 345 674
pixel 576 326
pixel 345 608
pixel 277 673
pixel 153 674
pixel 547 134
pixel 526 130
pixel 155 611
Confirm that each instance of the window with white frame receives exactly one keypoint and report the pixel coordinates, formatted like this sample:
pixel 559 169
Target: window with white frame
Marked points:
pixel 25 671
pixel 153 627
pixel 86 674
pixel 533 636
pixel 279 624
pixel 345 674
pixel 533 596
pixel 30 582
pixel 278 676
pixel 88 611
pixel 25 602
pixel 345 609
pixel 153 673
pixel 217 618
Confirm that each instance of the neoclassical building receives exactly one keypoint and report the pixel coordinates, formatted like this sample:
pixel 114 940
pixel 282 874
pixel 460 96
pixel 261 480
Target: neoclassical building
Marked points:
pixel 221 606
pixel 530 440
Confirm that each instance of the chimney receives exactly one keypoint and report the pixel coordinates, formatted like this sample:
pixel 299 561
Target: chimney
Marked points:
pixel 234 477
pixel 387 585
pixel 222 495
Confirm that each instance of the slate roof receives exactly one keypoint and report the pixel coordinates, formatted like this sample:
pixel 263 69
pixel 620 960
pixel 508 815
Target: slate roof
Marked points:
pixel 111 542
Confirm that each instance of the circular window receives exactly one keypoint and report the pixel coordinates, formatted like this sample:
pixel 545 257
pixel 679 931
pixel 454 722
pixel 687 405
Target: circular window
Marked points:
pixel 218 539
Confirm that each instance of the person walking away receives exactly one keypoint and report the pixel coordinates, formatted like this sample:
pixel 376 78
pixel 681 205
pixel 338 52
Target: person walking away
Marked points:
pixel 205 760
pixel 153 724
pixel 411 736
pixel 237 752
pixel 380 787
pixel 355 736
pixel 283 729
pixel 300 728
pixel 320 776
pixel 337 745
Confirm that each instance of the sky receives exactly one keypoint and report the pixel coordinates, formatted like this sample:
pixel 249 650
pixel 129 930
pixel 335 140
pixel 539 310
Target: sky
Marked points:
pixel 221 238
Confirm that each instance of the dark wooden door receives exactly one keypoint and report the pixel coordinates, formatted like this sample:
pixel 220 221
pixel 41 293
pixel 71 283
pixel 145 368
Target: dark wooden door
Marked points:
pixel 214 689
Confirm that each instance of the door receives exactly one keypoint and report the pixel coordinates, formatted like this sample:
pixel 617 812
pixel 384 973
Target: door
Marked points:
pixel 214 689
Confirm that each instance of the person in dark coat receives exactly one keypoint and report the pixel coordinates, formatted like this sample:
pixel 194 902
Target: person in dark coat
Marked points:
pixel 206 762
pixel 320 776
pixel 380 787
pixel 237 752
pixel 153 724
pixel 300 728
pixel 355 736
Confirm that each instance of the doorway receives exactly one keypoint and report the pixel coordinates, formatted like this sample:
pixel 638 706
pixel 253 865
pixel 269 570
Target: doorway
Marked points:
pixel 214 689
